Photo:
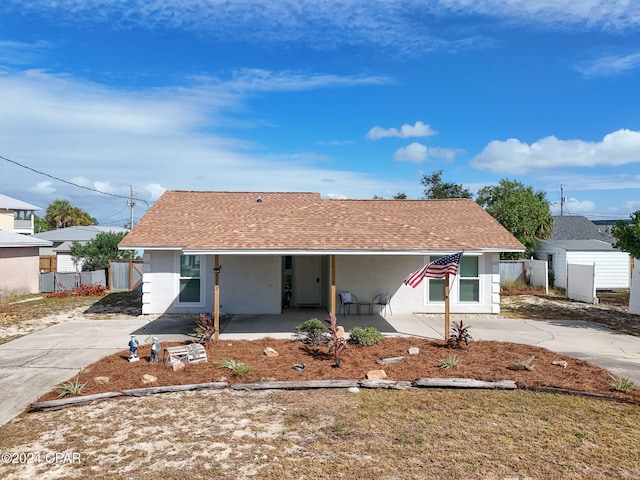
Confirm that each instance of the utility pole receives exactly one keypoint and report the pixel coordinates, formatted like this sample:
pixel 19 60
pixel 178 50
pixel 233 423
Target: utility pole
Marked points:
pixel 131 204
pixel 562 200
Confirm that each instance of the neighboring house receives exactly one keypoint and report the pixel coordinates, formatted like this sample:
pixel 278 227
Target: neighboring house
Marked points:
pixel 16 216
pixel 612 266
pixel 19 263
pixel 575 227
pixel 305 249
pixel 577 240
pixel 62 239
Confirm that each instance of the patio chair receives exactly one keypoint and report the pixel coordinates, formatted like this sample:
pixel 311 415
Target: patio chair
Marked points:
pixel 346 300
pixel 384 300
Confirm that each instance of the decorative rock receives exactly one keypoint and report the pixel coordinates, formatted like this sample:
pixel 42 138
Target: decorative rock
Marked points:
pixel 299 367
pixel 101 380
pixel 390 360
pixel 560 363
pixel 340 332
pixel 522 365
pixel 414 351
pixel 270 352
pixel 177 366
pixel 376 374
pixel 147 379
pixel 353 389
pixel 268 379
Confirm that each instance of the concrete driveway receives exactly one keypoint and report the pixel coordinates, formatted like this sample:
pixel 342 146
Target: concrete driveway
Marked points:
pixel 33 365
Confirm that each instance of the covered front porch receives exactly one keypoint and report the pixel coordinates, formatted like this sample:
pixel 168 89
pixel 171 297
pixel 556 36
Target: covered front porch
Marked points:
pixel 176 328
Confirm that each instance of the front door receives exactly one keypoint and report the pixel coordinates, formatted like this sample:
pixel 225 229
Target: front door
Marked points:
pixel 308 270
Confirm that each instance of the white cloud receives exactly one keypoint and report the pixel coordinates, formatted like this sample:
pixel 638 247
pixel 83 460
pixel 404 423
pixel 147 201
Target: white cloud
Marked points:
pixel 593 14
pixel 21 53
pixel 408 26
pixel 109 138
pixel 43 188
pixel 515 157
pixel 418 129
pixel 573 206
pixel 610 65
pixel 415 153
pixel 445 154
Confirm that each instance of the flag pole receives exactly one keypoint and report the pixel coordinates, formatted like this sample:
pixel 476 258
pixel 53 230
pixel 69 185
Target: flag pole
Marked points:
pixel 216 299
pixel 447 327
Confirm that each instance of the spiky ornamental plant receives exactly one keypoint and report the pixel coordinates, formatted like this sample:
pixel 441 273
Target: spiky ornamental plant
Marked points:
pixel 459 335
pixel 205 328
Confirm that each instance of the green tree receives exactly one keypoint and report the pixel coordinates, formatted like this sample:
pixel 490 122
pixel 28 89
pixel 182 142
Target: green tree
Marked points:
pixel 97 252
pixel 400 196
pixel 627 235
pixel 61 214
pixel 40 224
pixel 520 209
pixel 436 188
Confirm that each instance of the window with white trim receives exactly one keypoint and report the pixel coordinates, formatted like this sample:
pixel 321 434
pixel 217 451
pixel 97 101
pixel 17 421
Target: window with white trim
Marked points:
pixel 469 281
pixel 190 279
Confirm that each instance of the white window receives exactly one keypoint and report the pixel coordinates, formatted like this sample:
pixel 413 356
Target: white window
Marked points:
pixel 469 281
pixel 190 279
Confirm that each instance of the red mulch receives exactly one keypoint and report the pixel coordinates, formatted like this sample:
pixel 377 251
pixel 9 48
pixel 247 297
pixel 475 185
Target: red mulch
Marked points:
pixel 480 360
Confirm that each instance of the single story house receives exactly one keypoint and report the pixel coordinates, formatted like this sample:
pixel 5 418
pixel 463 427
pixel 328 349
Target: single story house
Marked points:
pixel 612 266
pixel 19 263
pixel 62 239
pixel 257 252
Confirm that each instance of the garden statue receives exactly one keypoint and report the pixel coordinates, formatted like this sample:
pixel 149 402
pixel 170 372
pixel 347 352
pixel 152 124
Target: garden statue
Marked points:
pixel 155 349
pixel 133 349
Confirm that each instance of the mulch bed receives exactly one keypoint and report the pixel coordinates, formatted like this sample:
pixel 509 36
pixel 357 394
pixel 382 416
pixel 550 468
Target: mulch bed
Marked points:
pixel 480 360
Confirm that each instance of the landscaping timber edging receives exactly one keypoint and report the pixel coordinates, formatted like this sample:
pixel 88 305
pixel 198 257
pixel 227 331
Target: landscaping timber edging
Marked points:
pixel 293 385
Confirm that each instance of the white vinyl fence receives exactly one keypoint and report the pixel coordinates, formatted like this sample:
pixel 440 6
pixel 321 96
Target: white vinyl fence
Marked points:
pixel 634 298
pixel 581 283
pixel 539 274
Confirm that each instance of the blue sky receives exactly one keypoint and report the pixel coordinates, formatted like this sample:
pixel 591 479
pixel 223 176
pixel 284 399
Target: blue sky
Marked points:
pixel 347 98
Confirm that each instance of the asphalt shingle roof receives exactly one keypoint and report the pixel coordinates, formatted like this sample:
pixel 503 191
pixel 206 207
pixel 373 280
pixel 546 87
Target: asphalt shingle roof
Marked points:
pixel 569 227
pixel 267 221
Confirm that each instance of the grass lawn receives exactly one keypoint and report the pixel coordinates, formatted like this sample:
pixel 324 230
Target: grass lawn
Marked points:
pixel 329 434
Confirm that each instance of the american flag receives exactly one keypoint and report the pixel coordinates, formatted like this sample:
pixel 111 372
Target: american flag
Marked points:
pixel 436 269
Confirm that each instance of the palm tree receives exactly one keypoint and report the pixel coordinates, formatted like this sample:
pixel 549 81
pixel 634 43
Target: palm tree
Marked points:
pixel 61 214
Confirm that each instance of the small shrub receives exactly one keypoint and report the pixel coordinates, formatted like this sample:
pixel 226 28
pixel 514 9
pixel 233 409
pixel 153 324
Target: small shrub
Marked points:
pixel 366 336
pixel 312 332
pixel 73 387
pixel 448 362
pixel 459 335
pixel 238 369
pixel 619 384
pixel 205 328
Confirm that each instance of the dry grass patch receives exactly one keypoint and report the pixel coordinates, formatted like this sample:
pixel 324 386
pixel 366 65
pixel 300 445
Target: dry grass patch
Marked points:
pixel 328 434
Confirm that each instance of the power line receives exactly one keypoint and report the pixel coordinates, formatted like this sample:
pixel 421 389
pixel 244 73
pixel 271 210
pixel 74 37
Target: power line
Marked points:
pixel 71 183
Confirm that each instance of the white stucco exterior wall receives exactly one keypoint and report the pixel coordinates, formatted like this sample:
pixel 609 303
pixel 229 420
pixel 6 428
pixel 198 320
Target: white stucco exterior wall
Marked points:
pixel 367 275
pixel 251 284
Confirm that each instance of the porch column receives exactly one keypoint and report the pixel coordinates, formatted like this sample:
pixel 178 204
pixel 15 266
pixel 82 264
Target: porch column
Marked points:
pixel 333 286
pixel 216 299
